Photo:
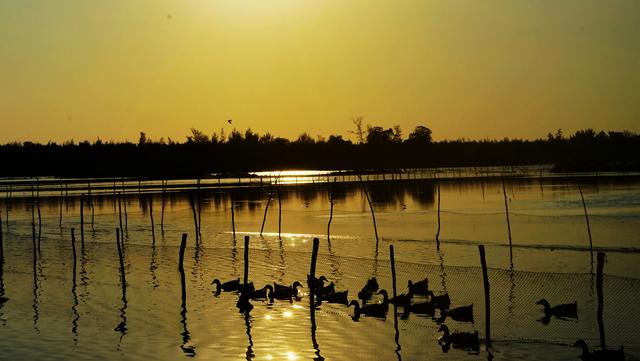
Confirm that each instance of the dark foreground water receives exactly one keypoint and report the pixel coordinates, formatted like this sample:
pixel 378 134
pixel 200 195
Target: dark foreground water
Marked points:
pixel 49 317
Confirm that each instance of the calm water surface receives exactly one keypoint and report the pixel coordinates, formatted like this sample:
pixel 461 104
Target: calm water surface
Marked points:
pixel 49 317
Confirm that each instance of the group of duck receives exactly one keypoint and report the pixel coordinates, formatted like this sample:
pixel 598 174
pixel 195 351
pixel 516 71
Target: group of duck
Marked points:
pixel 570 311
pixel 325 291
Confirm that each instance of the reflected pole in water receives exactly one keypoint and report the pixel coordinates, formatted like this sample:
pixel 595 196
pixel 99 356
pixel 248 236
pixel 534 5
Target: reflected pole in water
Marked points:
pixel 395 307
pixel 443 272
pixel 586 217
pixel 188 350
pixel 36 312
pixel 312 305
pixel 122 326
pixel 74 308
pixel 3 299
pixel 599 286
pixel 247 323
pixel 39 213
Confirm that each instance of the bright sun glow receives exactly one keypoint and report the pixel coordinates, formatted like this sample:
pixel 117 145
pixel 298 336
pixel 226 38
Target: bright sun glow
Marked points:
pixel 292 356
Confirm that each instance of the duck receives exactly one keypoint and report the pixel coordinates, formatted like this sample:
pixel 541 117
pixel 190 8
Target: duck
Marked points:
pixel 441 302
pixel 233 285
pixel 243 304
pixel 461 340
pixel 374 309
pixel 286 293
pixel 336 297
pixel 568 310
pixel 461 314
pixel 368 290
pixel 402 299
pixel 422 308
pixel 261 294
pixel 599 355
pixel 318 282
pixel 420 287
pixel 326 290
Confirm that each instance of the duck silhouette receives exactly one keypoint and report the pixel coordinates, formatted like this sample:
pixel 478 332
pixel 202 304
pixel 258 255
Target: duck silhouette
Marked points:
pixel 402 299
pixel 460 340
pixel 233 285
pixel 441 302
pixel 284 292
pixel 374 309
pixel 461 314
pixel 316 283
pixel 569 310
pixel 420 287
pixel 368 290
pixel 336 297
pixel 599 355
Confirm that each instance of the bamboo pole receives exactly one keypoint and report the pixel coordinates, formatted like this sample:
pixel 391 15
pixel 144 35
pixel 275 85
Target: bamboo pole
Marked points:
pixel 330 214
pixel 8 205
pixel 246 262
pixel 264 219
pixel 120 245
pixel 153 230
pixel 586 217
pixel 39 213
pixel 164 196
pixel 438 231
pixel 123 195
pixel 506 208
pixel 195 217
pixel 119 201
pixel 73 248
pixel 61 199
pixel 91 205
pixel 82 218
pixel 279 212
pixel 373 216
pixel 233 219
pixel 487 298
pixel 183 245
pixel 312 273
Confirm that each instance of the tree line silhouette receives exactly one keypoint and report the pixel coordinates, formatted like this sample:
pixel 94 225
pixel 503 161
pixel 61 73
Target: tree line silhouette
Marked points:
pixel 375 148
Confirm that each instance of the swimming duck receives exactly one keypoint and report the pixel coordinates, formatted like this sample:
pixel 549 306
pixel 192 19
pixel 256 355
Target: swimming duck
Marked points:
pixel 286 293
pixel 423 308
pixel 233 285
pixel 317 282
pixel 368 290
pixel 462 313
pixel 461 340
pixel 261 294
pixel 569 310
pixel 441 301
pixel 402 299
pixel 599 355
pixel 336 297
pixel 420 287
pixel 326 290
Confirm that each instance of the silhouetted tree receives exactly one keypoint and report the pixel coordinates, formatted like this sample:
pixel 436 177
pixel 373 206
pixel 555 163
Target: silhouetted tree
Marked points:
pixel 420 135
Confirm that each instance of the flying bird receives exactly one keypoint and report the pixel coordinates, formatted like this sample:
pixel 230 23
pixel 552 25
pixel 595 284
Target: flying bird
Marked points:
pixel 229 121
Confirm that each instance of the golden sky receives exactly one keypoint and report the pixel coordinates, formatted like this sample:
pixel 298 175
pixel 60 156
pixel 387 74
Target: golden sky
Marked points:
pixel 465 68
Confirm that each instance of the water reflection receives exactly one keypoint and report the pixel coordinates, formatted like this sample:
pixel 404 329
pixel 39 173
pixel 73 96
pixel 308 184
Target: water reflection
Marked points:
pixel 247 323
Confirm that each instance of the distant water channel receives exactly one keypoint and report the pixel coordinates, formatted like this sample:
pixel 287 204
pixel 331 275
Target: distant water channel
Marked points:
pixel 47 313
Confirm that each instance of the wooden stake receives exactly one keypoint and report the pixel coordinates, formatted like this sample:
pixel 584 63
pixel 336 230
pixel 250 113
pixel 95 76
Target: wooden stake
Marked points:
pixel 312 273
pixel 164 189
pixel 233 220
pixel 279 212
pixel 246 261
pixel 153 230
pixel 506 208
pixel 120 245
pixel 126 215
pixel 264 219
pixel 195 217
pixel 586 217
pixel 373 216
pixel 39 214
pixel 61 199
pixel 120 213
pixel 487 299
pixel 599 276
pixel 82 218
pixel 73 248
pixel 183 246
pixel 330 214
pixel 438 231
pixel 91 205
